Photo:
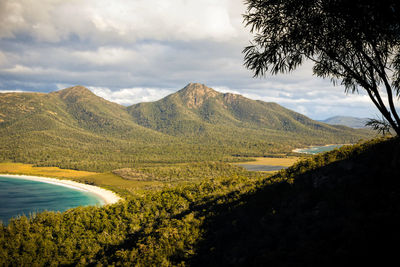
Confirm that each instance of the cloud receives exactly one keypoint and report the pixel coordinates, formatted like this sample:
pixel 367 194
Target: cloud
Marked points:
pixel 106 56
pixel 142 50
pixel 129 96
pixel 101 20
pixel 12 91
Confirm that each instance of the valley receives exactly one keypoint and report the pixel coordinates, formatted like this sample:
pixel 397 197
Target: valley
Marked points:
pixel 175 164
pixel 75 129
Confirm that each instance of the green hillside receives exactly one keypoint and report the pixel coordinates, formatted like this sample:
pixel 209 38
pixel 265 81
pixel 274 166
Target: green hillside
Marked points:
pixel 201 113
pixel 73 128
pixel 336 209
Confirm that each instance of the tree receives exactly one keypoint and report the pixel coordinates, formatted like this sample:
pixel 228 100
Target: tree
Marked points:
pixel 356 43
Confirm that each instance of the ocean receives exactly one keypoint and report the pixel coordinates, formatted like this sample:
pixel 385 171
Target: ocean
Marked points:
pixel 25 197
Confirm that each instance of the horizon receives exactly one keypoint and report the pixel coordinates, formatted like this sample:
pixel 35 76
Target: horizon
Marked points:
pixel 173 92
pixel 108 49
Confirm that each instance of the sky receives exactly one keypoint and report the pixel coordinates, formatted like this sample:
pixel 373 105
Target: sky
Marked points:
pixel 142 50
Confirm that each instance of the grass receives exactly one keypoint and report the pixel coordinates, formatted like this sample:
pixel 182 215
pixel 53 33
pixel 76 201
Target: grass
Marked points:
pixel 52 172
pixel 121 186
pixel 285 162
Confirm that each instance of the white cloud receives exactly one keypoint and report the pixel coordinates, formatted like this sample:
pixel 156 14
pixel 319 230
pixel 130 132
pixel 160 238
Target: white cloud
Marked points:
pixel 302 110
pixel 142 50
pixel 21 69
pixel 163 20
pixel 106 56
pixel 56 20
pixel 129 96
pixel 225 89
pixel 12 91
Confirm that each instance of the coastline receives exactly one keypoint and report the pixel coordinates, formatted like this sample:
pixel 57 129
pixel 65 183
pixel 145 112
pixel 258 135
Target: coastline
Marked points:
pixel 107 196
pixel 297 150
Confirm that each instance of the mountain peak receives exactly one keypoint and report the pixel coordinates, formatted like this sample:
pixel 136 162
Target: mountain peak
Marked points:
pixel 74 92
pixel 196 87
pixel 194 94
pixel 75 89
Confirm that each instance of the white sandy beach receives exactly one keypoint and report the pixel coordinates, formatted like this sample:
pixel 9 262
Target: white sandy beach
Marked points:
pixel 107 196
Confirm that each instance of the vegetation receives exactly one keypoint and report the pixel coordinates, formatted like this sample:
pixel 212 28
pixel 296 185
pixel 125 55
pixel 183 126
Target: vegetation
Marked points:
pixel 75 129
pixel 28 169
pixel 184 204
pixel 356 42
pixel 201 114
pixel 338 208
pixel 137 181
pixel 286 162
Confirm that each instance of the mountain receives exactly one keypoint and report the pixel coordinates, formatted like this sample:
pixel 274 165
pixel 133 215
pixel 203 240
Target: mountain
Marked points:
pixel 74 128
pixel 201 112
pixel 348 121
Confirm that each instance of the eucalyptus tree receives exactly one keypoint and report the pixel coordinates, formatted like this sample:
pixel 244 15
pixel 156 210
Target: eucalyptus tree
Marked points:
pixel 355 43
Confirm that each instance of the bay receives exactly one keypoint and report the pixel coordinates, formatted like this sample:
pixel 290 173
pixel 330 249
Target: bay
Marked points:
pixel 25 197
pixel 317 149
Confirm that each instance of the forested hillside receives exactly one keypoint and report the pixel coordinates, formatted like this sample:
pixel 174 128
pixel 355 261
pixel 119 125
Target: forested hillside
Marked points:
pixel 201 113
pixel 73 128
pixel 334 209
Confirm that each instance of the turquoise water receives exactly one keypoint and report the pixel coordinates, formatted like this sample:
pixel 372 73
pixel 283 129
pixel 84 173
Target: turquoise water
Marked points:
pixel 20 196
pixel 318 149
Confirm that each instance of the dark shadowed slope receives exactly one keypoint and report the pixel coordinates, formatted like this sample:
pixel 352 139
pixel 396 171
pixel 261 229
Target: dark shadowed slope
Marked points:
pixel 336 209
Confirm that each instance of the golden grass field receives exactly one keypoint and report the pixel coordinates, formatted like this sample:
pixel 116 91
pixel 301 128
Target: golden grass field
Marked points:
pixel 285 162
pixel 52 172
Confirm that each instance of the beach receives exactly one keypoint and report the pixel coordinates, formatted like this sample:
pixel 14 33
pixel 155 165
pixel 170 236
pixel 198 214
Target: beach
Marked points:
pixel 107 196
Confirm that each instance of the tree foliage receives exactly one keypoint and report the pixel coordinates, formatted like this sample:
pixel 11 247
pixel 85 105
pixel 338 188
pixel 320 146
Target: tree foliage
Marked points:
pixel 354 42
pixel 75 129
pixel 328 210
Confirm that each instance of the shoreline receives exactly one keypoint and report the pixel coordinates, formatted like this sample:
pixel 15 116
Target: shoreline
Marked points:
pixel 107 196
pixel 297 150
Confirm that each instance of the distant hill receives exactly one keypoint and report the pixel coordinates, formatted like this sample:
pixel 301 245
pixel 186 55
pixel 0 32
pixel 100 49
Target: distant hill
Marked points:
pixel 74 128
pixel 199 111
pixel 348 121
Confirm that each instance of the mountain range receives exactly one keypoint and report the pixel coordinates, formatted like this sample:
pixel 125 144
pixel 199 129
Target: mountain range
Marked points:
pixel 348 121
pixel 74 128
